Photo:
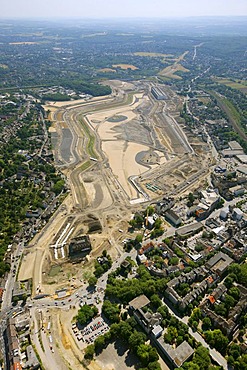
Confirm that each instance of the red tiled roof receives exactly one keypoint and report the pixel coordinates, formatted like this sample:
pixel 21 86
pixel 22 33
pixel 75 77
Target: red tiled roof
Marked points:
pixel 212 299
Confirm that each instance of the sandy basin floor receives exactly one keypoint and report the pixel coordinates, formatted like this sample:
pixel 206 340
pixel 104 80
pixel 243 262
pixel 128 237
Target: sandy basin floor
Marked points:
pixel 121 154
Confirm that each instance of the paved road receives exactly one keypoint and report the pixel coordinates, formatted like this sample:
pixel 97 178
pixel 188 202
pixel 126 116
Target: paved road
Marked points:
pixel 38 336
pixel 7 296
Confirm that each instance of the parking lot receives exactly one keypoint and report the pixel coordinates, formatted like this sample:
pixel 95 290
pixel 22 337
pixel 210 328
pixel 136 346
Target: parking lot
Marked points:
pixel 93 330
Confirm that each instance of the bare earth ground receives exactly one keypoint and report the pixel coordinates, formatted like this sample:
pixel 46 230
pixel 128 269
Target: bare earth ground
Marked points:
pixel 121 154
pixel 59 104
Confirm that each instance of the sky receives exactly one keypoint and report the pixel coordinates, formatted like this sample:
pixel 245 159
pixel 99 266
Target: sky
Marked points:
pixel 121 8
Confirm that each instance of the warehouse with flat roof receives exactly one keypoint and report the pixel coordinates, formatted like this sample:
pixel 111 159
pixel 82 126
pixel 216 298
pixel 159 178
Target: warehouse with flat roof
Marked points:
pixel 158 93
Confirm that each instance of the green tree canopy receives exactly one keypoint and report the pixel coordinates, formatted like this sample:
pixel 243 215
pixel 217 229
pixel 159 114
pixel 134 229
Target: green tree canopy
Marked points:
pixel 86 313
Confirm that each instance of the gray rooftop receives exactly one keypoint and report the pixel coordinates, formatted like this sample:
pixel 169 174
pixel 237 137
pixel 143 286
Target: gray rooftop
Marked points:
pixel 139 302
pixel 242 169
pixel 171 213
pixel 178 355
pixel 184 230
pixel 234 145
pixel 219 262
pixel 32 359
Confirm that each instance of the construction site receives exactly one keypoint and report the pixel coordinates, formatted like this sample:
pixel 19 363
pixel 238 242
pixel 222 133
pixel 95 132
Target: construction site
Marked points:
pixel 118 153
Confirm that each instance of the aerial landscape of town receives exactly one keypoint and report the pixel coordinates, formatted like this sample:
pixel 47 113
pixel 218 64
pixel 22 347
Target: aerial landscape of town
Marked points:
pixel 123 192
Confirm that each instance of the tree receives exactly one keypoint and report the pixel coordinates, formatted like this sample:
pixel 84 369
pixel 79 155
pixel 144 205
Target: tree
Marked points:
pixel 58 187
pixel 217 340
pixel 221 310
pixel 92 280
pixel 158 223
pixel 156 301
pixel 170 335
pixel 168 241
pixel 235 269
pixel 156 233
pixel 86 313
pixel 138 238
pixel 89 352
pixel 111 311
pixel 202 358
pixel 143 353
pixel 124 330
pixel 153 354
pixel 194 325
pixel 174 261
pixel 154 366
pixel 132 321
pixel 114 330
pixel 150 211
pixel 136 339
pixel 191 199
pixel 229 301
pixel 196 314
pixel 99 343
pixel 234 351
pixel 179 340
pixel 147 353
pixel 234 292
pixel 206 323
pixel 228 281
pixel 163 310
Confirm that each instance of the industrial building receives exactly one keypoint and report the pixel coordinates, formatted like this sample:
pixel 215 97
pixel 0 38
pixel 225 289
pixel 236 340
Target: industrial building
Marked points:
pixel 158 93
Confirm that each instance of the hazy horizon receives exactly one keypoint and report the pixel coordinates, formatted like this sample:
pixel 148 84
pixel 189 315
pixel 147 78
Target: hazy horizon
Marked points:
pixel 98 9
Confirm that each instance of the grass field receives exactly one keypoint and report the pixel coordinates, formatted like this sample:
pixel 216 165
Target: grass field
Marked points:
pixel 3 66
pixel 203 99
pixel 125 66
pixel 85 166
pixel 91 139
pixel 232 113
pixel 232 110
pixel 54 271
pixel 107 70
pixel 153 55
pixel 239 85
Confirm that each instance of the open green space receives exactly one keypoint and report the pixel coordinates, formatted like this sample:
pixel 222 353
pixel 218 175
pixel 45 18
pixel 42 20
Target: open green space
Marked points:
pixel 239 85
pixel 54 271
pixel 232 113
pixel 91 139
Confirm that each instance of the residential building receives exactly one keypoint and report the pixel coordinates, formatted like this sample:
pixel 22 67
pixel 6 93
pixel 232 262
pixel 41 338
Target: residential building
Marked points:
pixel 178 355
pixel 173 218
pixel 13 348
pixel 219 263
pixel 237 214
pixel 32 361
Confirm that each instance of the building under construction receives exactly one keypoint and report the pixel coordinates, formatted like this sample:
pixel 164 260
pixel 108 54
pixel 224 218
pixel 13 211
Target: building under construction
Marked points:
pixel 79 247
